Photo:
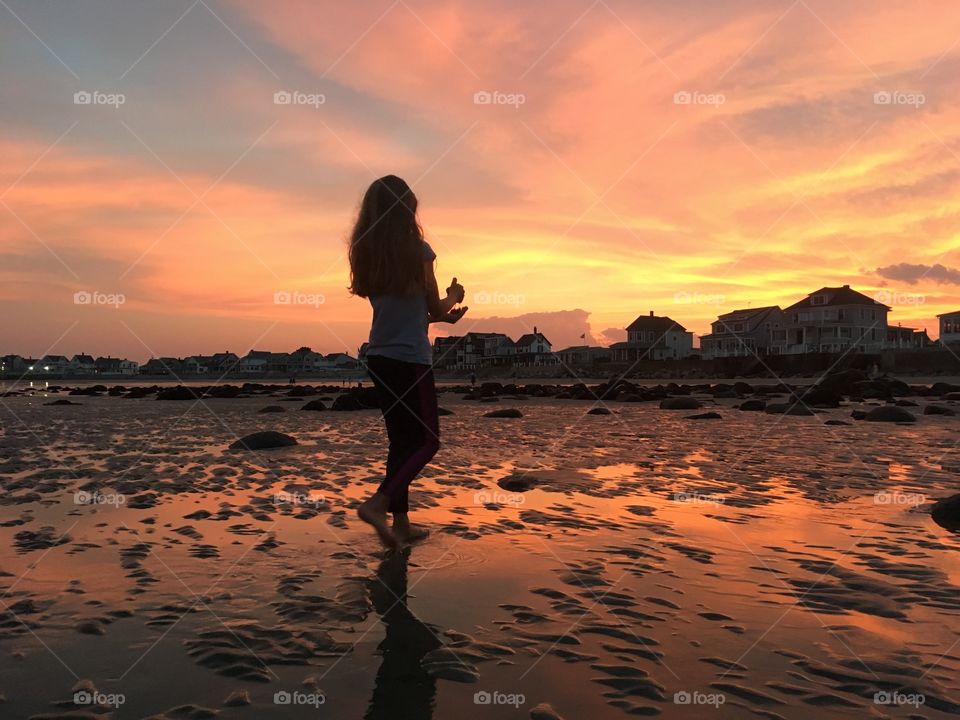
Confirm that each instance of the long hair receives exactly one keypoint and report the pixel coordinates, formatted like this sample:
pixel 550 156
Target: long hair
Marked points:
pixel 386 245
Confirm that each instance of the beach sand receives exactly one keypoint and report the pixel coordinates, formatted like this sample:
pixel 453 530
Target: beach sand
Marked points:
pixel 753 566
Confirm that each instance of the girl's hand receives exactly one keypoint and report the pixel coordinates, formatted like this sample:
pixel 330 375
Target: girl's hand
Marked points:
pixel 455 291
pixel 454 315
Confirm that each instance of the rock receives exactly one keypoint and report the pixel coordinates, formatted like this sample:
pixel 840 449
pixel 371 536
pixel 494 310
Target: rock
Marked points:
pixel 62 401
pixel 753 405
pixel 705 416
pixel 788 409
pixel 346 403
pixel 938 410
pixel 952 396
pixel 890 413
pixel 946 513
pixel 680 403
pixel 237 698
pixel 177 393
pixel 271 409
pixel 858 414
pixel 505 413
pixel 544 711
pixel 598 411
pixel 91 627
pixel 517 483
pixel 823 397
pixel 490 399
pixel 444 411
pixel 836 422
pixel 263 441
pixel 314 405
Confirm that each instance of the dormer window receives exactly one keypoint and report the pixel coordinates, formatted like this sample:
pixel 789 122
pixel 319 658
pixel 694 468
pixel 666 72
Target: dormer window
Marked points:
pixel 818 300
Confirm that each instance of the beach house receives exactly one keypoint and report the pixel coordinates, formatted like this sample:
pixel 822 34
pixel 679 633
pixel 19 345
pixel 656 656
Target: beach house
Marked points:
pixel 653 337
pixel 950 327
pixel 833 319
pixel 742 333
pixel 583 356
pixel 82 364
pixel 534 349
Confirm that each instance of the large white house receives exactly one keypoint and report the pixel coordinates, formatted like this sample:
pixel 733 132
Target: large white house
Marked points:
pixel 950 327
pixel 833 320
pixel 743 332
pixel 654 337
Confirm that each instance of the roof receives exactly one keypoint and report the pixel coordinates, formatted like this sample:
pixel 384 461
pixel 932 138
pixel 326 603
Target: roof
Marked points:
pixel 837 296
pixel 83 358
pixel 257 355
pixel 746 313
pixel 656 323
pixel 530 338
pixel 955 312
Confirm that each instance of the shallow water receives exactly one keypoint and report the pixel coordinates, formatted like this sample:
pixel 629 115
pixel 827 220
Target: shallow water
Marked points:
pixel 762 565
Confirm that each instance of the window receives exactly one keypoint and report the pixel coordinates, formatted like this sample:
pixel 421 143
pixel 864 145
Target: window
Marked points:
pixel 818 300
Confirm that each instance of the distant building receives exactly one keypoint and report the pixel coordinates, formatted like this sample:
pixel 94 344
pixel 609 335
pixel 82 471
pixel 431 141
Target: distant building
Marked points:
pixel 82 365
pixel 743 332
pixel 342 361
pixel 12 364
pixel 583 356
pixel 950 327
pixel 483 350
pixel 445 352
pixel 162 366
pixel 255 362
pixel 905 338
pixel 834 320
pixel 223 363
pixel 654 337
pixel 52 364
pixel 115 366
pixel 534 349
pixel 304 361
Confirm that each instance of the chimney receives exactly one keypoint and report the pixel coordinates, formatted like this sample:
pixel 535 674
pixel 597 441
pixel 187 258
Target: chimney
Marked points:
pixel 534 329
pixel 651 313
pixel 846 287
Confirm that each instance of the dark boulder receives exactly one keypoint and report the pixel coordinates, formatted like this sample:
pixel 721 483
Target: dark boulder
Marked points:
pixel 517 483
pixel 504 413
pixel 598 411
pixel 345 403
pixel 443 411
pixel 314 405
pixel 178 393
pixel 705 416
pixel 946 513
pixel 890 413
pixel 836 422
pixel 271 409
pixel 753 405
pixel 264 440
pixel 680 403
pixel 63 401
pixel 938 410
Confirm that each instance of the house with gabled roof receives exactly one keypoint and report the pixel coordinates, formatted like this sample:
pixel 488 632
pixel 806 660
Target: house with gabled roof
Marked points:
pixel 950 327
pixel 82 364
pixel 834 320
pixel 654 337
pixel 741 333
pixel 533 349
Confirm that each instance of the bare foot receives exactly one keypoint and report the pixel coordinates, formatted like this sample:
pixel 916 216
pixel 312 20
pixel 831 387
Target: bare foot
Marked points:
pixel 407 532
pixel 374 512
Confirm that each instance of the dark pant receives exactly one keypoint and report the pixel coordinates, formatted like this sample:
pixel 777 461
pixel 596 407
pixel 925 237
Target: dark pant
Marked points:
pixel 408 400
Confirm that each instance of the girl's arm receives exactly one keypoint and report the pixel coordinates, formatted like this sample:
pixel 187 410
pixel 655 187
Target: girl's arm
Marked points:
pixel 439 309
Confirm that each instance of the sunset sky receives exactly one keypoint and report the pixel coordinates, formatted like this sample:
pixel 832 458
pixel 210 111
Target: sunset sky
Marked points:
pixel 689 157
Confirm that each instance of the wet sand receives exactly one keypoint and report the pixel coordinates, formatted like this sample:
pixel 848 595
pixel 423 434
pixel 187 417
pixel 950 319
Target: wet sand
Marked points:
pixel 757 565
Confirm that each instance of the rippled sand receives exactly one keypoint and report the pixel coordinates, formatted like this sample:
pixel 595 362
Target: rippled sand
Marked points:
pixel 747 562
